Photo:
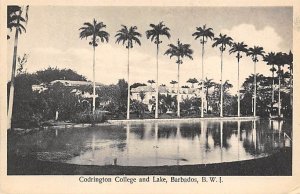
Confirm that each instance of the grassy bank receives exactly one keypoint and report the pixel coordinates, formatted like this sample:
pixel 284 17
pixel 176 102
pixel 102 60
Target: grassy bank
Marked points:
pixel 278 164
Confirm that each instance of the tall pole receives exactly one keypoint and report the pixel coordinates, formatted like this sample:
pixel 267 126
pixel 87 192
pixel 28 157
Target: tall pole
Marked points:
pixel 291 85
pixel 239 103
pixel 156 96
pixel 202 98
pixel 279 97
pixel 221 87
pixel 178 88
pixel 272 85
pixel 254 106
pixel 13 72
pixel 94 84
pixel 128 87
pixel 221 134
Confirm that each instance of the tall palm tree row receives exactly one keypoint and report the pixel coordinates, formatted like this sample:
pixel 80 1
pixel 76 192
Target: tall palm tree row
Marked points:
pixel 289 60
pixel 17 17
pixel 154 34
pixel 208 83
pixel 270 60
pixel 128 36
pixel 280 61
pixel 203 34
pixel 222 41
pixel 255 52
pixel 179 51
pixel 238 48
pixel 96 31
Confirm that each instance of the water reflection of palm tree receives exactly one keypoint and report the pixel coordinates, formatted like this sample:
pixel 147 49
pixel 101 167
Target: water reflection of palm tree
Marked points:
pixel 279 130
pixel 248 141
pixel 178 142
pixel 221 137
pixel 254 135
pixel 271 126
pixel 156 143
pixel 148 128
pixel 93 148
pixel 238 139
pixel 127 142
pixel 203 140
pixel 207 147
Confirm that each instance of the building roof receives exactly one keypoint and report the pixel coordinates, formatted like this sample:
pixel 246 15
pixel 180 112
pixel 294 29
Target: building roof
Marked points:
pixel 142 89
pixel 164 89
pixel 75 83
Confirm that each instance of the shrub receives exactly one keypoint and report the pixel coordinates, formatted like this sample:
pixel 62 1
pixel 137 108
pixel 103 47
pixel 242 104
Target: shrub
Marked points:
pixel 98 117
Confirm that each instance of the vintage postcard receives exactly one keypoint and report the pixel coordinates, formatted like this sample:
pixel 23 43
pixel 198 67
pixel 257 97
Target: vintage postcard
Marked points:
pixel 149 97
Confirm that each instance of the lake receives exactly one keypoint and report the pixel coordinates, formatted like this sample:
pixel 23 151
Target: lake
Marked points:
pixel 156 144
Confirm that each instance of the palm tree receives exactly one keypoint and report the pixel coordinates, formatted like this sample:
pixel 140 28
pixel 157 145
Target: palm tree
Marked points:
pixel 157 31
pixel 13 17
pixel 270 60
pixel 279 62
pixel 180 51
pixel 173 82
pixel 128 36
pixel 151 82
pixel 203 34
pixel 289 61
pixel 208 83
pixel 96 32
pixel 222 41
pixel 226 86
pixel 192 81
pixel 15 22
pixel 238 48
pixel 254 53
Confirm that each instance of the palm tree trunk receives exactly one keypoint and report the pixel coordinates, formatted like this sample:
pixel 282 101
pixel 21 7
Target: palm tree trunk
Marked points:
pixel 272 86
pixel 291 87
pixel 202 98
pixel 178 88
pixel 94 84
pixel 206 97
pixel 279 97
pixel 156 96
pixel 13 73
pixel 239 100
pixel 221 87
pixel 254 106
pixel 128 88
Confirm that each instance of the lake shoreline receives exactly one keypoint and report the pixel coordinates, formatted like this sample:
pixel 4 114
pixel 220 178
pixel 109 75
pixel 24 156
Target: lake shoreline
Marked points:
pixel 277 164
pixel 61 125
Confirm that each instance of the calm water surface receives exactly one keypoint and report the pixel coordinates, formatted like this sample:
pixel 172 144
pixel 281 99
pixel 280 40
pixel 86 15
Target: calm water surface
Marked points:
pixel 157 144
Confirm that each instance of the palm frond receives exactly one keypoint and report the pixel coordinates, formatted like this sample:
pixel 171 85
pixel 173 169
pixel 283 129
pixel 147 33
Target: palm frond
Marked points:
pixel 94 30
pixel 126 35
pixel 157 31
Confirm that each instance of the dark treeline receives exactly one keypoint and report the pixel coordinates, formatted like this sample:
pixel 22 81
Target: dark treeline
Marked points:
pixel 34 108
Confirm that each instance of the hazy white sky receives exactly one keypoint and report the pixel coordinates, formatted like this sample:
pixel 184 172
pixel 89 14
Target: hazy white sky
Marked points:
pixel 52 39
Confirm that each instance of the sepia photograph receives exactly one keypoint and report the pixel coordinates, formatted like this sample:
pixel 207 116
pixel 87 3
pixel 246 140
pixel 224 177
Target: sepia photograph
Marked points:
pixel 179 92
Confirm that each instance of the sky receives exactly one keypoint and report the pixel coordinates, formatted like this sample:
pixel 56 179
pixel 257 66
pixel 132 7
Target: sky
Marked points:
pixel 52 40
